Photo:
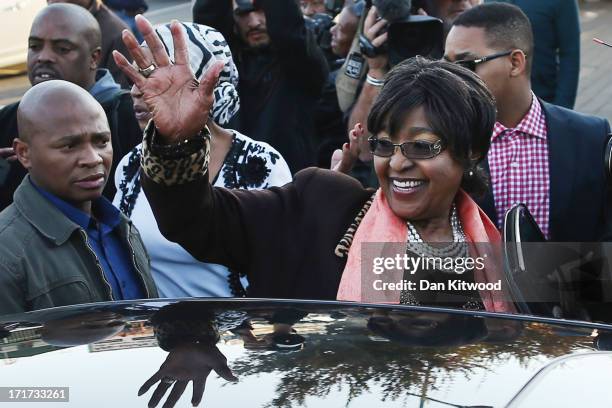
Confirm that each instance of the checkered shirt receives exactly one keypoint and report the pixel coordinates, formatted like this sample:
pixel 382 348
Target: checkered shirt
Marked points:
pixel 518 161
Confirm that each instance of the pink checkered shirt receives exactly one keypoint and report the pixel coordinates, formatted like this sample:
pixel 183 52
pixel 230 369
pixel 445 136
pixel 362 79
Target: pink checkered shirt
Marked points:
pixel 518 161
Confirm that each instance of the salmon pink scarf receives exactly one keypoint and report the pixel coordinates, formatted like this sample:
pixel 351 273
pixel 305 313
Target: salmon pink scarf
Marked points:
pixel 381 225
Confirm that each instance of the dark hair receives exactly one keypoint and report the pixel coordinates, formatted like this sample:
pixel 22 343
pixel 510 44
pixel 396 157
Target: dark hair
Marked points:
pixel 458 106
pixel 505 25
pixel 184 322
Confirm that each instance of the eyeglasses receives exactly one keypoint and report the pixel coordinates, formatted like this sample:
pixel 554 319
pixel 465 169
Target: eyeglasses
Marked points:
pixel 472 64
pixel 421 149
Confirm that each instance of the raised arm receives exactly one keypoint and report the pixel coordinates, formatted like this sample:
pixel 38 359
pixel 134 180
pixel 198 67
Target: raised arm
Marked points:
pixel 377 69
pixel 213 224
pixel 295 45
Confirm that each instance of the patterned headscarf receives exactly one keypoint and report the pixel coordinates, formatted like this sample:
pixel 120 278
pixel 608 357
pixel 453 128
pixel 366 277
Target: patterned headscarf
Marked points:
pixel 206 45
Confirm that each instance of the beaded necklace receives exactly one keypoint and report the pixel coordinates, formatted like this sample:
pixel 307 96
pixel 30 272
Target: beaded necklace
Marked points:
pixel 457 249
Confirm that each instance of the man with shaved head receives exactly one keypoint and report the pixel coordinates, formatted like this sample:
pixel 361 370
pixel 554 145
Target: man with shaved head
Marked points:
pixel 61 242
pixel 111 27
pixel 64 43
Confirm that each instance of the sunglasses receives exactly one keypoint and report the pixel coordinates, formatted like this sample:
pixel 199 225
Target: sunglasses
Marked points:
pixel 421 149
pixel 472 64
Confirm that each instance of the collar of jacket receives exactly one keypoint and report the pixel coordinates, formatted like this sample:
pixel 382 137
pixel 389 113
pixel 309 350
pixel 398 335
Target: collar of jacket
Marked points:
pixel 42 214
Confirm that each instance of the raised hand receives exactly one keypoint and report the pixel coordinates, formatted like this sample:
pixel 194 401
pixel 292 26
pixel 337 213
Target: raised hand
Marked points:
pixel 372 28
pixel 187 362
pixel 344 160
pixel 179 103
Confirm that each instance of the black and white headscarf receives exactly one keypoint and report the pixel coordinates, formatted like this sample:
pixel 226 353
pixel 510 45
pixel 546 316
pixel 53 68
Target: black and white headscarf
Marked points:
pixel 205 46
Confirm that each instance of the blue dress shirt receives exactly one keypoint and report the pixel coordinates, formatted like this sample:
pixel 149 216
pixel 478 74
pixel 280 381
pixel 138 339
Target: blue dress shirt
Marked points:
pixel 104 238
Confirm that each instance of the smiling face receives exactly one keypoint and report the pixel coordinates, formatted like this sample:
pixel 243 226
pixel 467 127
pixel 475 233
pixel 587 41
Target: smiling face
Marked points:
pixel 58 48
pixel 418 190
pixel 66 147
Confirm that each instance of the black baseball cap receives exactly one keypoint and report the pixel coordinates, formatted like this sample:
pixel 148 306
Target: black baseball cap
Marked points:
pixel 244 6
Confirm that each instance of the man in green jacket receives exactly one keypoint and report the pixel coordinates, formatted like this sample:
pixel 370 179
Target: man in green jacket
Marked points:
pixel 61 242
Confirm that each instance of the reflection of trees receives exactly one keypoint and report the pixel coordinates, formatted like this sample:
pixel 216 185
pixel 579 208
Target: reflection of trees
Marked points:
pixel 356 363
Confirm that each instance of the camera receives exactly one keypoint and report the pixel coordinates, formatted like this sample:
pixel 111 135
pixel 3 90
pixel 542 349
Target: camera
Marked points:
pixel 334 6
pixel 320 25
pixel 409 34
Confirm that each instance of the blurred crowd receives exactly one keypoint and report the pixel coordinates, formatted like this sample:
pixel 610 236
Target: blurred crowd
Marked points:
pixel 255 150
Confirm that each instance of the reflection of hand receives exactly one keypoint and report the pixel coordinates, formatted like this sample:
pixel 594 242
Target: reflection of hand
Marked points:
pixel 371 30
pixel 187 362
pixel 344 160
pixel 180 104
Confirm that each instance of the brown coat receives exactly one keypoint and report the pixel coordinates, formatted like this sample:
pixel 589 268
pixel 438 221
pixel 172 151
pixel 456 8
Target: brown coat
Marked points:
pixel 283 238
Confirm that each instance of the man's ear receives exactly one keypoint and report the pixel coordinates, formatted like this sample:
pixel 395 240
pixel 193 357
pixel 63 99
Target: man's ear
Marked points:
pixel 22 151
pixel 96 56
pixel 518 59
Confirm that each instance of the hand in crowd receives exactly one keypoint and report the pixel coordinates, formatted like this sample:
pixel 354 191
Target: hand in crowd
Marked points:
pixel 372 28
pixel 187 362
pixel 344 160
pixel 8 153
pixel 180 104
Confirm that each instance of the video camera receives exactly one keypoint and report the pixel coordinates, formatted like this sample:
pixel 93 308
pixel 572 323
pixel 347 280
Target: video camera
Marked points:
pixel 334 7
pixel 410 34
pixel 321 23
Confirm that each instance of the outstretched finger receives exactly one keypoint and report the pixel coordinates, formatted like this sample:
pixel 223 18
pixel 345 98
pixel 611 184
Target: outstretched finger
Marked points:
pixel 347 160
pixel 372 33
pixel 135 50
pixel 354 143
pixel 160 56
pixel 175 394
pixel 380 40
pixel 370 18
pixel 158 394
pixel 336 159
pixel 145 387
pixel 224 372
pixel 129 70
pixel 210 79
pixel 181 53
pixel 198 391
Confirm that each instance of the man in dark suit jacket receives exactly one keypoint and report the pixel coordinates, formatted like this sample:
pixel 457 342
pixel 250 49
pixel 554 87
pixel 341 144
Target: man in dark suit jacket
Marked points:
pixel 543 155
